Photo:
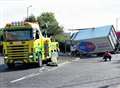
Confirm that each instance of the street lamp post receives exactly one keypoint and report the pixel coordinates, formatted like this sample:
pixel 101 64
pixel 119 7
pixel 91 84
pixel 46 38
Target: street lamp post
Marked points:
pixel 46 29
pixel 28 10
pixel 116 23
pixel 46 25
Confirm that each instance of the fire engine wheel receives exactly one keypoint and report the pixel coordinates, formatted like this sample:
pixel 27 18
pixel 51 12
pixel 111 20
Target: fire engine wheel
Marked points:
pixel 40 61
pixel 11 65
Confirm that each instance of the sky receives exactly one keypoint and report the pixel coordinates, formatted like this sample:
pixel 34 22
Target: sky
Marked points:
pixel 71 14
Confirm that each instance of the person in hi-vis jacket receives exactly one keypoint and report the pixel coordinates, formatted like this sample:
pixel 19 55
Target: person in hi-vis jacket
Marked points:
pixel 54 56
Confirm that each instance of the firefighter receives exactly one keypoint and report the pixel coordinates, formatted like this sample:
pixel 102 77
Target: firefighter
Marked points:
pixel 53 58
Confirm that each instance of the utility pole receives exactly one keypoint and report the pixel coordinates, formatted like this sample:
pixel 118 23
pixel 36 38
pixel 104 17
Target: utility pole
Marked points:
pixel 28 10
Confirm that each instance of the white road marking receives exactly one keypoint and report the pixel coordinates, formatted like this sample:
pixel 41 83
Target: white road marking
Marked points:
pixel 36 74
pixel 41 69
pixel 25 77
pixel 17 80
pixel 76 59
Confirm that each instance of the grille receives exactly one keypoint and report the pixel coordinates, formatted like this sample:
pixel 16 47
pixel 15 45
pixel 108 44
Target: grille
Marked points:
pixel 18 51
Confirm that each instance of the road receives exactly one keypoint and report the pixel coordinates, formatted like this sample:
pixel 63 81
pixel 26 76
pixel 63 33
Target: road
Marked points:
pixel 70 73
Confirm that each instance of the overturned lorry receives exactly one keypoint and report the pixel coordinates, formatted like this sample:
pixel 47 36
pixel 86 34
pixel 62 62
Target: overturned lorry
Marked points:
pixel 96 40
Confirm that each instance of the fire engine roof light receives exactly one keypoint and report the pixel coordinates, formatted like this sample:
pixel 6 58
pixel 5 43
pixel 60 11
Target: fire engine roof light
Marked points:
pixel 12 23
pixel 15 24
pixel 18 23
pixel 22 23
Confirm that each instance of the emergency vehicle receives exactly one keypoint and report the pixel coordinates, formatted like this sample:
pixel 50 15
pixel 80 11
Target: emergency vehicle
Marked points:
pixel 24 44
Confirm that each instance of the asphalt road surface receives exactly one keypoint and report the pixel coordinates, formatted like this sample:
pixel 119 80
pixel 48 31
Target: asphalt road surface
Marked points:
pixel 88 72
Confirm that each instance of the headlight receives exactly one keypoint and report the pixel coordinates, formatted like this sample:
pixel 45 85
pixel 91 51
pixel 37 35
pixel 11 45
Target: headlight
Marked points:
pixel 31 56
pixel 5 57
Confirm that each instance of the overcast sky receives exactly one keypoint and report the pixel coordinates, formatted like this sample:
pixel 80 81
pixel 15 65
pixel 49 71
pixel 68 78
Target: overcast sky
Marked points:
pixel 69 13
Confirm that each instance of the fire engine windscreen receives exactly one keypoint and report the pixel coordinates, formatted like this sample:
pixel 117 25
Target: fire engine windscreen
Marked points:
pixel 18 35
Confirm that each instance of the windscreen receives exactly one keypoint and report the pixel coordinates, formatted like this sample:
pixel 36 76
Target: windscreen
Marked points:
pixel 17 35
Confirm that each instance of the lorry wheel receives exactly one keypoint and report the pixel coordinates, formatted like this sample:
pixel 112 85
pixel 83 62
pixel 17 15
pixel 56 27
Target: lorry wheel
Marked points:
pixel 40 61
pixel 10 66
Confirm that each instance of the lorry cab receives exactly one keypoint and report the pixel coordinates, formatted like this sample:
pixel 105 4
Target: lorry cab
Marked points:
pixel 23 44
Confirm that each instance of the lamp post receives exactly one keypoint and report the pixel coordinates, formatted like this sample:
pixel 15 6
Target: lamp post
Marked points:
pixel 46 25
pixel 116 23
pixel 28 10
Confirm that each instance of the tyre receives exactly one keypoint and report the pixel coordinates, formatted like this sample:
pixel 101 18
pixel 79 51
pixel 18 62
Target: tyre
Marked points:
pixel 40 61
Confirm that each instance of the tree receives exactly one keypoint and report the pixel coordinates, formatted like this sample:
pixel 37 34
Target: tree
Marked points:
pixel 31 19
pixel 62 37
pixel 49 24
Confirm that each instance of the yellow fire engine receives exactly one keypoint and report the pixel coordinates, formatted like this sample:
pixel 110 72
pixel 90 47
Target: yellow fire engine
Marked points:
pixel 24 44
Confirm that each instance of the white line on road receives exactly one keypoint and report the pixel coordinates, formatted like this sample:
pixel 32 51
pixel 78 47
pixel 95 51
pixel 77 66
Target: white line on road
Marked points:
pixel 28 76
pixel 36 74
pixel 41 69
pixel 17 80
pixel 76 59
pixel 25 77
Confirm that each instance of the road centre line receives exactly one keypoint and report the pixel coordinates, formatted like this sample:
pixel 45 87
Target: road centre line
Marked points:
pixel 40 71
pixel 28 76
pixel 25 77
